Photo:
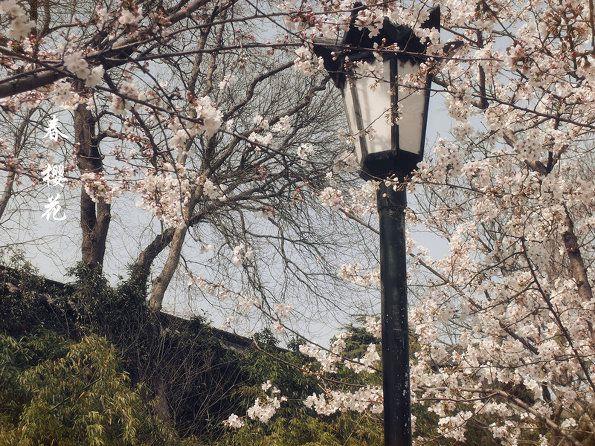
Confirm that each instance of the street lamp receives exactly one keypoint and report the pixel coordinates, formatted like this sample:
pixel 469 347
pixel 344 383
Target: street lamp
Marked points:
pixel 388 121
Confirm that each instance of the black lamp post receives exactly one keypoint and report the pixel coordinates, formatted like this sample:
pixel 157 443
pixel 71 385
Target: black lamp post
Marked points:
pixel 388 122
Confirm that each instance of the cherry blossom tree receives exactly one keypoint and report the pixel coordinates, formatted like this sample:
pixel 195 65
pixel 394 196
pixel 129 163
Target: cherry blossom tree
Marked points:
pixel 504 322
pixel 194 114
pixel 198 110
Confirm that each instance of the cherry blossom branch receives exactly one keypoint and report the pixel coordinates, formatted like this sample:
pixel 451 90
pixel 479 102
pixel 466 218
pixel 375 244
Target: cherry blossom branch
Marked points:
pixel 556 316
pixel 577 264
pixel 33 80
pixel 517 402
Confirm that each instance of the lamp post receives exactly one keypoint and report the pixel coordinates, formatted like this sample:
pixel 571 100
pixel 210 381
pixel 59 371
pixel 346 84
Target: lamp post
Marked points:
pixel 388 122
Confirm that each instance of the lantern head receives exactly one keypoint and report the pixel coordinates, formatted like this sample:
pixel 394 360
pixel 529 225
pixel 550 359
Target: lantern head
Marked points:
pixel 386 118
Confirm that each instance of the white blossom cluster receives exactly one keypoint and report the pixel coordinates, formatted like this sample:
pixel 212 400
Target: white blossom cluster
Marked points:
pixel 213 191
pixel 77 65
pixel 124 101
pixel 331 197
pixel 264 133
pixel 358 201
pixel 209 114
pixel 327 358
pixel 129 17
pixel 19 25
pixel 353 273
pixel 368 398
pixel 282 311
pixel 207 121
pixel 304 151
pixel 241 254
pixel 164 195
pixel 373 326
pixel 346 162
pixel 97 187
pixel 367 362
pixel 307 62
pixel 263 409
pixel 64 96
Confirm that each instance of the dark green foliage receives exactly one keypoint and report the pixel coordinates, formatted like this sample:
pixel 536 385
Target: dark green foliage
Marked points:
pixel 29 302
pixel 58 392
pixel 17 356
pixel 302 429
pixel 281 367
pixel 186 372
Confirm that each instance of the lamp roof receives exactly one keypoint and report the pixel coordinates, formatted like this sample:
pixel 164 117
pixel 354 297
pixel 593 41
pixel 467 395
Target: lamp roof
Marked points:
pixel 359 43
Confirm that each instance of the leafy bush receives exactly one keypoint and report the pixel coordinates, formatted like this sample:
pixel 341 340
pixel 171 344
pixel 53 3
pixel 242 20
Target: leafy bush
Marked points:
pixel 54 391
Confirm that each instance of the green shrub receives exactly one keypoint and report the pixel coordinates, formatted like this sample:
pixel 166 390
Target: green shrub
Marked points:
pixel 56 392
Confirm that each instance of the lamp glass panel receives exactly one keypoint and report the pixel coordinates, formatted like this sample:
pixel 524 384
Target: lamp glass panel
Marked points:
pixel 368 93
pixel 411 105
pixel 351 120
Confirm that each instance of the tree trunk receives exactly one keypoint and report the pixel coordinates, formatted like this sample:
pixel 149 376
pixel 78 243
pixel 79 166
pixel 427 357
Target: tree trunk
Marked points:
pixel 142 266
pixel 162 281
pixel 160 403
pixel 95 217
pixel 12 174
pixel 577 266
pixel 178 236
